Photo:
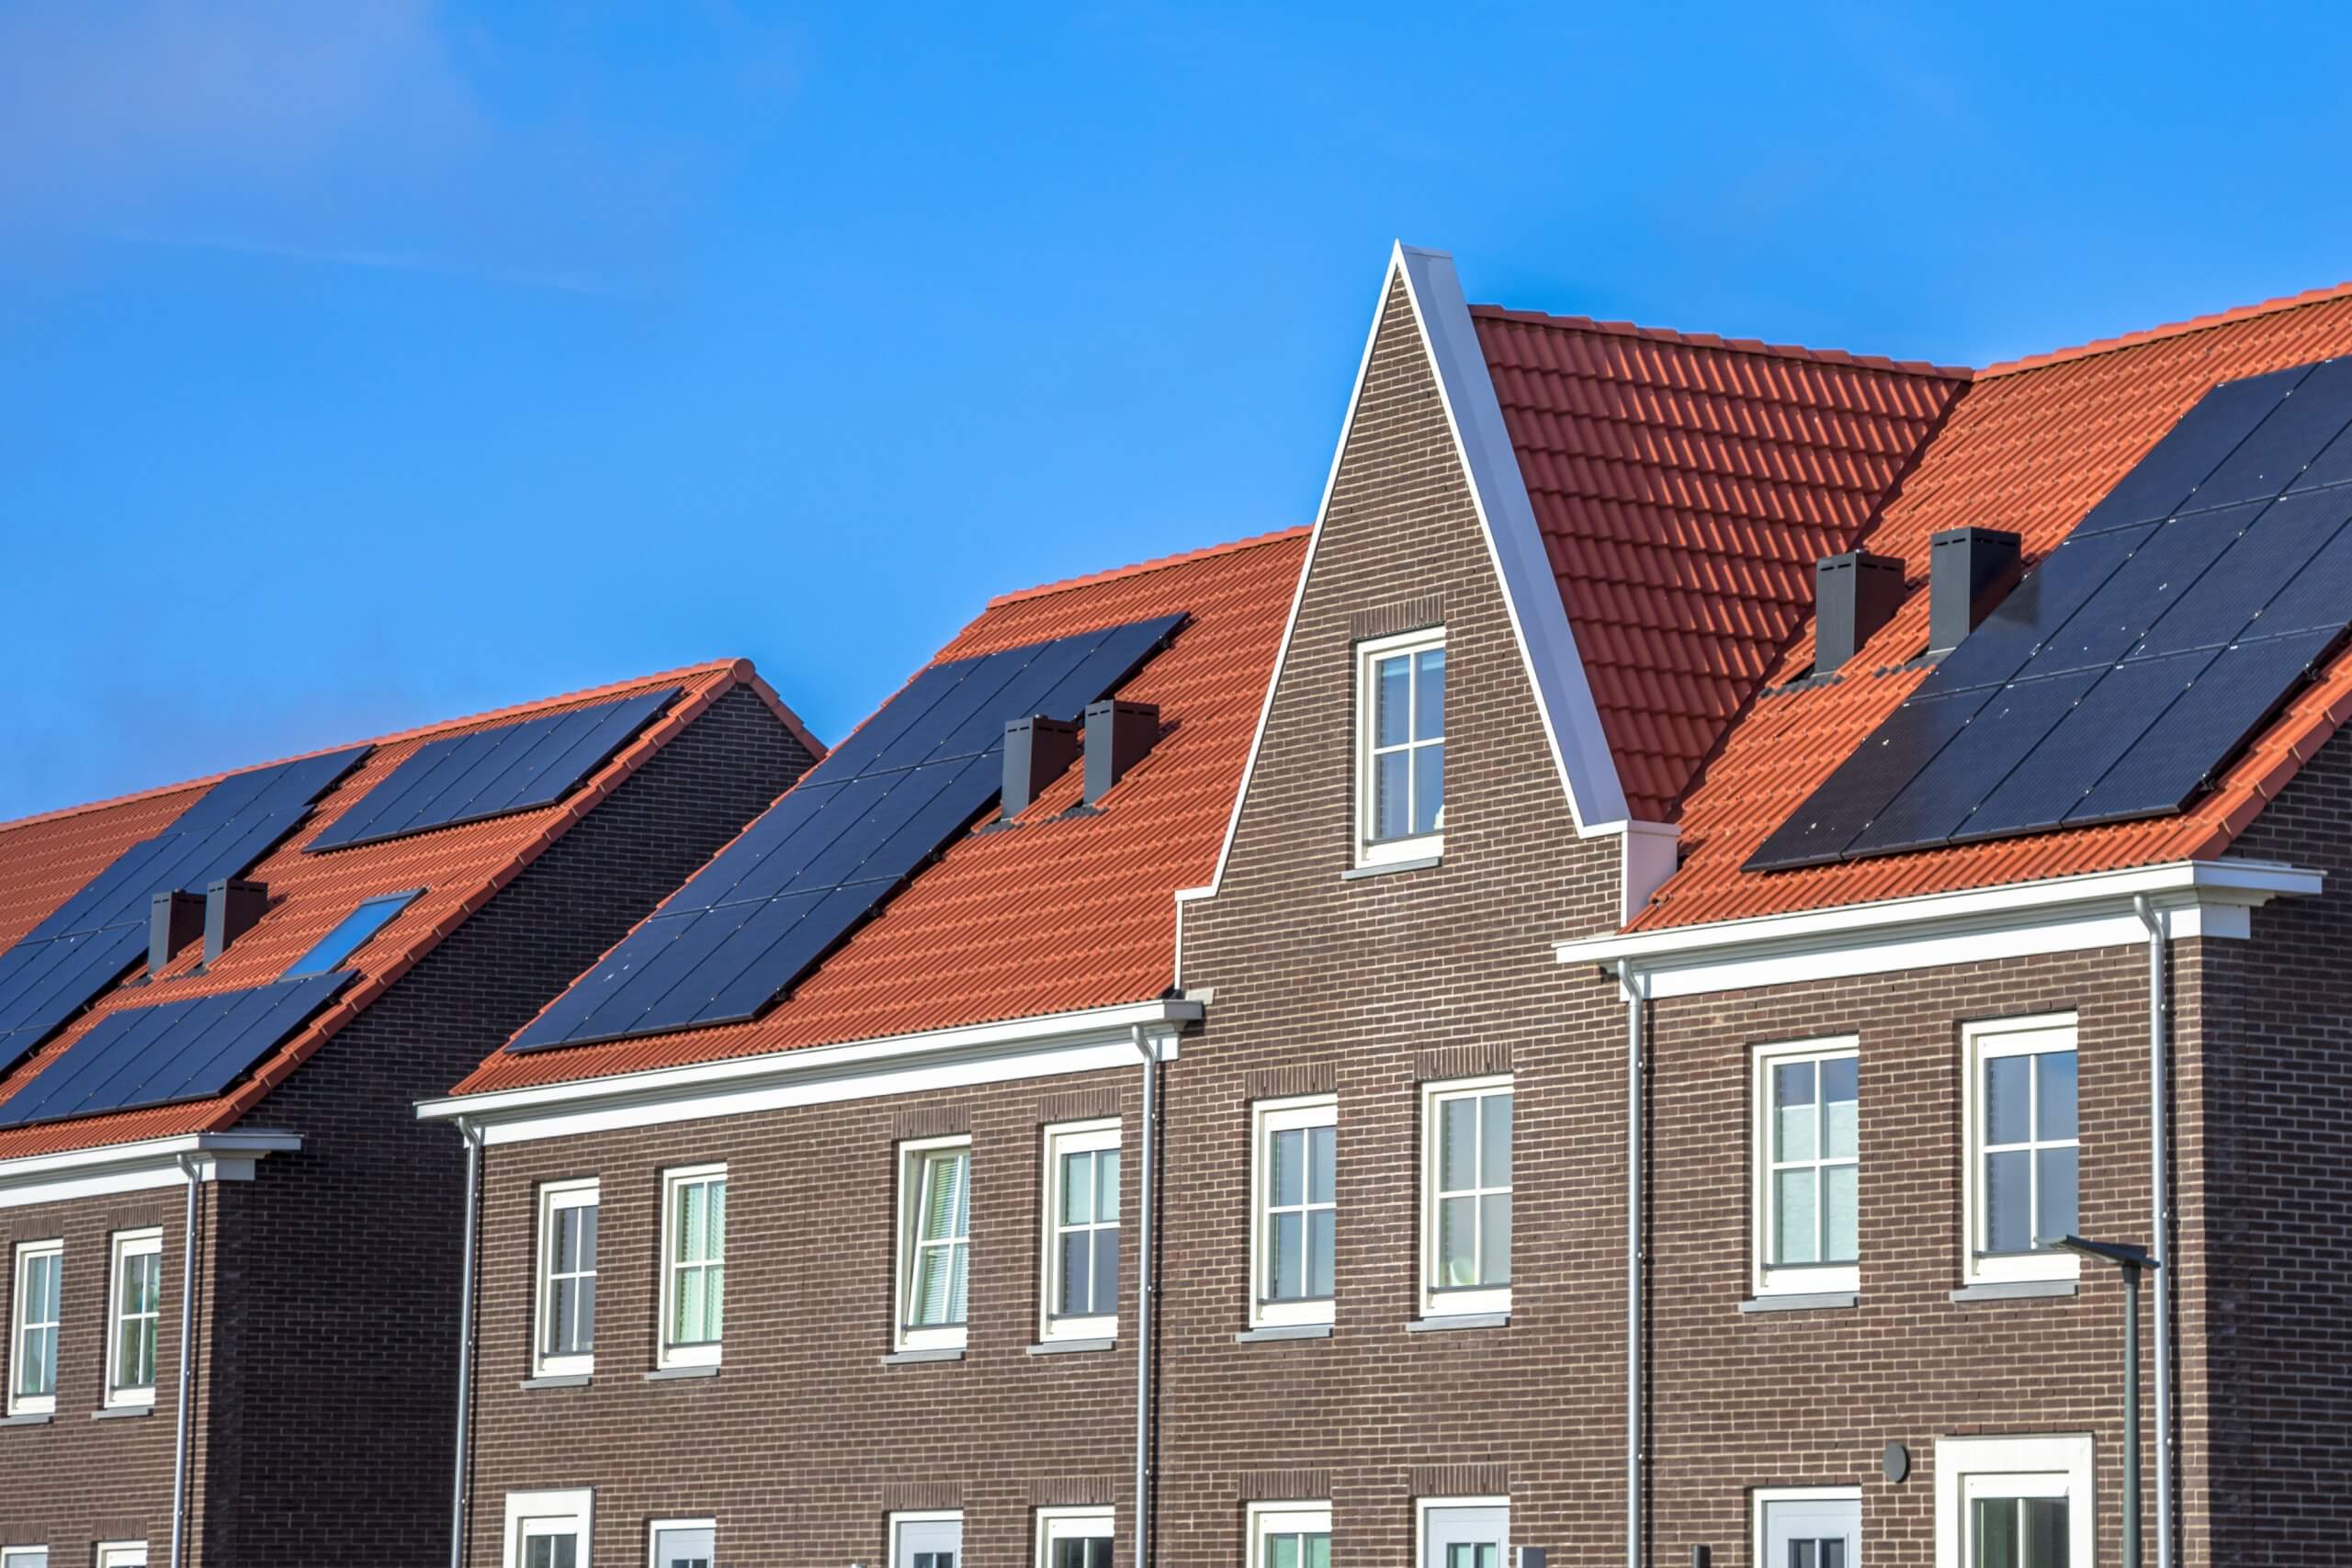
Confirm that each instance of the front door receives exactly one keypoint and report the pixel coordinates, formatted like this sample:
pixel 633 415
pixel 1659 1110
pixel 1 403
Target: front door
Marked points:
pixel 1812 1532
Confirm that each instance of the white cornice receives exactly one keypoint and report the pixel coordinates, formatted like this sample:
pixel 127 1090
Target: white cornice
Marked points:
pixel 132 1167
pixel 2060 915
pixel 1042 1046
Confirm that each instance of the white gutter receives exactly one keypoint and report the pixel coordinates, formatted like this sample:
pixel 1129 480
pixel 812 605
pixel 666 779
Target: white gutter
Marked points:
pixel 186 1367
pixel 472 1136
pixel 1634 1307
pixel 1146 1289
pixel 2160 1221
pixel 141 1167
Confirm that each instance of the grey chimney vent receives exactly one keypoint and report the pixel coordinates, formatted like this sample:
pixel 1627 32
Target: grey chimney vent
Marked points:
pixel 231 907
pixel 1853 595
pixel 1117 737
pixel 1036 752
pixel 173 919
pixel 1968 571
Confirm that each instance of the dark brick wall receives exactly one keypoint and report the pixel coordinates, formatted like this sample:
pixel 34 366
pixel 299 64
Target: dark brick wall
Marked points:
pixel 806 1440
pixel 1365 985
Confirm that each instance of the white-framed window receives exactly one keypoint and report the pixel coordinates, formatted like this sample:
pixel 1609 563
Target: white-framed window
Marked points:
pixel 134 1316
pixel 927 1539
pixel 567 1285
pixel 38 1294
pixel 1465 1202
pixel 548 1529
pixel 1290 1535
pixel 1074 1537
pixel 1464 1532
pixel 693 1265
pixel 934 1241
pixel 2020 1134
pixel 1808 1527
pixel 120 1555
pixel 683 1544
pixel 1400 746
pixel 24 1557
pixel 1081 1241
pixel 1294 1209
pixel 1805 1188
pixel 2021 1502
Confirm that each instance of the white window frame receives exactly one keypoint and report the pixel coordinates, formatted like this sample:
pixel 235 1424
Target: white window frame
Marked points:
pixel 1424 1508
pixel 1070 1138
pixel 121 1246
pixel 1267 1117
pixel 911 1154
pixel 555 1197
pixel 1060 1524
pixel 1459 1300
pixel 1762 1498
pixel 1413 846
pixel 1284 1519
pixel 24 1557
pixel 1791 1279
pixel 1979 1043
pixel 899 1522
pixel 1967 1468
pixel 120 1555
pixel 700 1353
pixel 34 1404
pixel 655 1529
pixel 570 1512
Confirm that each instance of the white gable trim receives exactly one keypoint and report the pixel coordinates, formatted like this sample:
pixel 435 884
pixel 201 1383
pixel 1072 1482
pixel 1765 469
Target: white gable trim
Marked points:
pixel 138 1168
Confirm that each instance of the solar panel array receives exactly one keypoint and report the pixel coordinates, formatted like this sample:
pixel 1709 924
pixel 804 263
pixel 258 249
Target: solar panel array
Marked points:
pixel 489 772
pixel 761 914
pixel 61 964
pixel 158 1056
pixel 2129 667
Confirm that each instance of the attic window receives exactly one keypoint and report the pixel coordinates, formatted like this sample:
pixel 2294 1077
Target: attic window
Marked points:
pixel 353 929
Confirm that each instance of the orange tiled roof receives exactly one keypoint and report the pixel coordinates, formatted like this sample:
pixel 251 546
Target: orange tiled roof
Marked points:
pixel 2031 447
pixel 1058 916
pixel 44 859
pixel 1685 485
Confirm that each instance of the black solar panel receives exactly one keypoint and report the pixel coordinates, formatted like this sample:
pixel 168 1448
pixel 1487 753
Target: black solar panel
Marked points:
pixel 90 940
pixel 157 1055
pixel 2128 669
pixel 815 864
pixel 514 767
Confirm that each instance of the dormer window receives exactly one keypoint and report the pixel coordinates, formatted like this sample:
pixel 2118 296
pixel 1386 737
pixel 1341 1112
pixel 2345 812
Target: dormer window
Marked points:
pixel 1401 747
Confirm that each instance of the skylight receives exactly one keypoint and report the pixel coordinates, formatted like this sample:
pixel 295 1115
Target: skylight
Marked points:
pixel 354 929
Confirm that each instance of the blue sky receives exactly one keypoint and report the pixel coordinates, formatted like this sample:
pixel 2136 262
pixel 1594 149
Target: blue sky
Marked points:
pixel 371 363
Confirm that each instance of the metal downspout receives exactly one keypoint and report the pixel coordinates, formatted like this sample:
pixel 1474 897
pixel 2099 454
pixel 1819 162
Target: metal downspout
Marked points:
pixel 2160 1220
pixel 186 1369
pixel 458 1497
pixel 1633 1302
pixel 1146 1289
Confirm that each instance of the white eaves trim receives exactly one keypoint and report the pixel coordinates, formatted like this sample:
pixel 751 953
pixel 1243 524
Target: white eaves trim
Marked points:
pixel 1040 1046
pixel 2062 915
pixel 137 1167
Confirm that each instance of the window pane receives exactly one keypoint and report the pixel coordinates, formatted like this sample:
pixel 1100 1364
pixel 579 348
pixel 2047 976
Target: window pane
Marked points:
pixel 2054 1073
pixel 1839 1099
pixel 1077 1259
pixel 1321 1163
pixel 693 1220
pixel 2056 1199
pixel 2008 1210
pixel 1833 1552
pixel 1391 813
pixel 1842 1219
pixel 1429 786
pixel 1286 1243
pixel 1797 1221
pixel 1106 1187
pixel 562 1300
pixel 1495 1211
pixel 1077 1188
pixel 1319 1552
pixel 1458 1220
pixel 1321 1226
pixel 688 1308
pixel 1106 1272
pixel 1997 1533
pixel 2045 1532
pixel 1391 726
pixel 1493 1151
pixel 1428 695
pixel 959 1266
pixel 585 1331
pixel 718 1242
pixel 1288 1176
pixel 2006 1118
pixel 943 1207
pixel 49 1271
pixel 1457 1143
pixel 1282 1551
pixel 1801 1555
pixel 566 1240
pixel 931 1286
pixel 1792 1118
pixel 37 1362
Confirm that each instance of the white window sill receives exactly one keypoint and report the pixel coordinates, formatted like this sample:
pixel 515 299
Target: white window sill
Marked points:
pixel 565 1380
pixel 28 1419
pixel 1811 1301
pixel 116 1412
pixel 1072 1346
pixel 1384 868
pixel 674 1374
pixel 1273 1331
pixel 918 1357
pixel 2014 1290
pixel 1443 1323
